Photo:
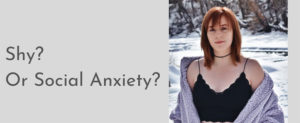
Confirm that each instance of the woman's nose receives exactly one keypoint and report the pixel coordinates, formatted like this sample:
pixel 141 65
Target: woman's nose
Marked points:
pixel 219 33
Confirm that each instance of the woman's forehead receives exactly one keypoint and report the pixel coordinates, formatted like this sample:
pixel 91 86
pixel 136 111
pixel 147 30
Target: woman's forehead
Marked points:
pixel 221 21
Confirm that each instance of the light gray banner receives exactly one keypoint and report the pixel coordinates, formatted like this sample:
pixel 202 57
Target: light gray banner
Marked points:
pixel 294 61
pixel 80 38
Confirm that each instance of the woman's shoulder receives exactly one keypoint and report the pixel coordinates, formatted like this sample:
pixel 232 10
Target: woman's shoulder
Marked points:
pixel 253 66
pixel 254 73
pixel 193 71
pixel 194 66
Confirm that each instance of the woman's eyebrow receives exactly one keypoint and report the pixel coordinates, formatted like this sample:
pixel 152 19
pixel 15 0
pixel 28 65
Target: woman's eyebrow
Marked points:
pixel 220 25
pixel 224 25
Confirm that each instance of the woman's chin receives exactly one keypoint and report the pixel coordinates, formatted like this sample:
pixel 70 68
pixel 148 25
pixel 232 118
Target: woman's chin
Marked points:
pixel 221 49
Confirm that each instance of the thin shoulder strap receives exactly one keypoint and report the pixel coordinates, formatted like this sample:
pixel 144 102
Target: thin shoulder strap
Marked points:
pixel 245 64
pixel 199 66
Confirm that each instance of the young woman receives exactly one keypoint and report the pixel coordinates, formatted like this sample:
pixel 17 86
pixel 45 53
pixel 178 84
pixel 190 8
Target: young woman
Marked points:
pixel 221 83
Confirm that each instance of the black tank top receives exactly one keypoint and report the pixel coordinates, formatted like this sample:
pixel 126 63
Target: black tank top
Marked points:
pixel 221 106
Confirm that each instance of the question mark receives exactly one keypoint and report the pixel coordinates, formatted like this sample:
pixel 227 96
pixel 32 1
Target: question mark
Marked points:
pixel 158 75
pixel 42 50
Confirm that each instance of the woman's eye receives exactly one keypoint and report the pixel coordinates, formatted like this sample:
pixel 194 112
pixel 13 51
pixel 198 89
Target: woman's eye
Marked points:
pixel 211 30
pixel 223 28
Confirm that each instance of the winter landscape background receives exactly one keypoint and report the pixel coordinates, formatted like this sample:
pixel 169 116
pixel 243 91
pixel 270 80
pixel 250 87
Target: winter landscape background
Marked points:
pixel 264 31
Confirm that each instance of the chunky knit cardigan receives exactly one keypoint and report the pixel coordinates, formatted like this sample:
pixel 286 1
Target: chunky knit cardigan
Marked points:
pixel 262 107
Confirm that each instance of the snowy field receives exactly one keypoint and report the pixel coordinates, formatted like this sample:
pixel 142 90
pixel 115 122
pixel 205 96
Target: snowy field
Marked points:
pixel 270 50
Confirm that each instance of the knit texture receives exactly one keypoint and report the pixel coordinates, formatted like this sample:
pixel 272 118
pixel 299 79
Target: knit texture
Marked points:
pixel 262 107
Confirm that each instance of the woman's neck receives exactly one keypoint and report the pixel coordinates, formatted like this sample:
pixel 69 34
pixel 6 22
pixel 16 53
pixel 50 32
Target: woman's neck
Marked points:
pixel 222 61
pixel 222 58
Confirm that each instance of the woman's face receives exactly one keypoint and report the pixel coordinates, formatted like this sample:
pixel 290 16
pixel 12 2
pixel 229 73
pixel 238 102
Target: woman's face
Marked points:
pixel 220 36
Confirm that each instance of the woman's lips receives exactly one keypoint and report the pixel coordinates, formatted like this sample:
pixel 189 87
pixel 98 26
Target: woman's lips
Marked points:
pixel 219 42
